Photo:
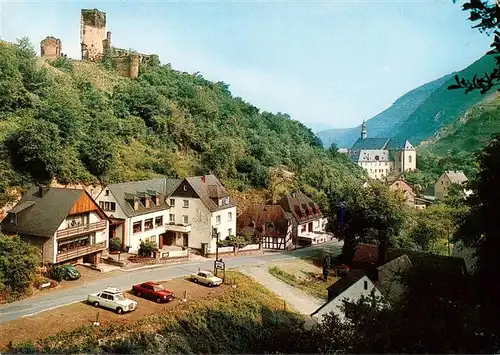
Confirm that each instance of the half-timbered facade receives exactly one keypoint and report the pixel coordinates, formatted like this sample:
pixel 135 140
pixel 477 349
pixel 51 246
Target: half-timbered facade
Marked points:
pixel 270 224
pixel 66 224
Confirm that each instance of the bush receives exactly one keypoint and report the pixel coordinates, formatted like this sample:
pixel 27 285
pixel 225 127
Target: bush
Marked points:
pixel 19 263
pixel 236 241
pixel 116 244
pixel 57 273
pixel 146 248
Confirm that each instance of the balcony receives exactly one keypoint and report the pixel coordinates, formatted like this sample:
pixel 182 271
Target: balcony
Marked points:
pixel 83 229
pixel 182 228
pixel 77 252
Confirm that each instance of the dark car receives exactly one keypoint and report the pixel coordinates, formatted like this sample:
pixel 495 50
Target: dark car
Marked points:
pixel 69 272
pixel 153 291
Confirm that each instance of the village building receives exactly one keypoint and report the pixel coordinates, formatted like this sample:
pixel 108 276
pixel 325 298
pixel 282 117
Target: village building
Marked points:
pixel 172 213
pixel 308 222
pixel 66 224
pixel 380 157
pixel 344 293
pixel 446 180
pixel 269 224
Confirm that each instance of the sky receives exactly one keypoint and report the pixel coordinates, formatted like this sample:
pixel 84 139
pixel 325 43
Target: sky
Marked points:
pixel 328 64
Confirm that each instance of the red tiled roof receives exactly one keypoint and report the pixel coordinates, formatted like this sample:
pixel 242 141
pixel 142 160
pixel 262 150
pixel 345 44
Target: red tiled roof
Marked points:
pixel 270 220
pixel 301 207
pixel 366 253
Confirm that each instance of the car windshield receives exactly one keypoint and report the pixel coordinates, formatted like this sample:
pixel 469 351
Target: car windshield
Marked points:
pixel 158 288
pixel 209 274
pixel 119 297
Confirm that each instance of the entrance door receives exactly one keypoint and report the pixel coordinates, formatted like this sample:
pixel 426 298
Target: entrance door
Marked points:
pixel 310 227
pixel 160 241
pixel 185 239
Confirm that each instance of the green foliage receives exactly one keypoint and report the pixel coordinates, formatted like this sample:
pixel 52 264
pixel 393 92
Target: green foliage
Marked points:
pixel 63 63
pixel 312 284
pixel 236 241
pixel 57 273
pixel 115 243
pixel 83 124
pixel 147 247
pixel 371 214
pixel 19 263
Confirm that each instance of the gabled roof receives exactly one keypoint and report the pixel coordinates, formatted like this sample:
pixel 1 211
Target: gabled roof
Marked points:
pixel 42 215
pixel 456 177
pixel 127 190
pixel 300 206
pixel 270 220
pixel 398 264
pixel 208 188
pixel 370 143
pixel 366 254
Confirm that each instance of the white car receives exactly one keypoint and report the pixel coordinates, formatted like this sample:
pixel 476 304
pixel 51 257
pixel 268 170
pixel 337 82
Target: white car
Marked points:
pixel 207 278
pixel 112 298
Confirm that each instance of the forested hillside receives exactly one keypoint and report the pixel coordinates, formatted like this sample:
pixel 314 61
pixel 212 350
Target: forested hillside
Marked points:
pixel 81 122
pixel 421 113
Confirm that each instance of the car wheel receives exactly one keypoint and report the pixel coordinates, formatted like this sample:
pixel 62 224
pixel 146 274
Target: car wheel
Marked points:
pixel 96 304
pixel 158 300
pixel 119 310
pixel 195 280
pixel 210 284
pixel 139 294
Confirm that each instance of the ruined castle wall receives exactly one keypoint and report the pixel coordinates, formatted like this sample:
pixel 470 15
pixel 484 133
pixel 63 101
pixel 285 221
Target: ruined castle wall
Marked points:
pixel 51 48
pixel 93 34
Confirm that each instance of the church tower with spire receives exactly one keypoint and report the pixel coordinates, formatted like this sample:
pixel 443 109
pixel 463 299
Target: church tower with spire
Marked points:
pixel 364 132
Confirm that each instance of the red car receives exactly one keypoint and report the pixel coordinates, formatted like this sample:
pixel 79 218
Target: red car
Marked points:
pixel 153 291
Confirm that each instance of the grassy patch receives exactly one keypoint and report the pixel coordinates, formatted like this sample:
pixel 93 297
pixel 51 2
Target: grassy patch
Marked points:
pixel 243 319
pixel 316 255
pixel 313 284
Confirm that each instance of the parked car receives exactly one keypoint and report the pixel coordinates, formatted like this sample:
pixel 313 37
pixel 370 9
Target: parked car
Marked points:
pixel 112 298
pixel 153 291
pixel 206 278
pixel 69 272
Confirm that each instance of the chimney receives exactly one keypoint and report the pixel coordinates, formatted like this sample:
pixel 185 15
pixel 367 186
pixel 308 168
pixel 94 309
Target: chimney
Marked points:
pixel 204 179
pixel 382 253
pixel 42 190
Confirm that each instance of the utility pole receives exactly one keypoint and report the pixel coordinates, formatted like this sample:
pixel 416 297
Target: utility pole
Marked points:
pixel 214 231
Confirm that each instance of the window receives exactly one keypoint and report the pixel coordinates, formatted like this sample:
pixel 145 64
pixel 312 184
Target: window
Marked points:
pixel 185 203
pixel 350 308
pixel 217 219
pixel 185 188
pixel 106 193
pixel 172 218
pixel 107 206
pixel 12 218
pixel 148 224
pixel 365 285
pixel 185 219
pixel 409 158
pixel 230 216
pixel 137 227
pixel 230 231
pixel 158 221
pixel 172 202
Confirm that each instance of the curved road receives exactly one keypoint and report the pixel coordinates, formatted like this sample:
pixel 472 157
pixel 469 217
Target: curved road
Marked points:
pixel 126 279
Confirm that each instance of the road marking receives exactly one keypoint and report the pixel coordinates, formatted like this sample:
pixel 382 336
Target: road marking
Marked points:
pixel 51 308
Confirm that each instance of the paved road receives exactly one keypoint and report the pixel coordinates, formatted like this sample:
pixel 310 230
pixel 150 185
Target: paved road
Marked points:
pixel 125 280
pixel 298 299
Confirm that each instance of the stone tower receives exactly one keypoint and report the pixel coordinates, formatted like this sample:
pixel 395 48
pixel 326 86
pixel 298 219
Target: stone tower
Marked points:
pixel 51 48
pixel 93 35
pixel 364 132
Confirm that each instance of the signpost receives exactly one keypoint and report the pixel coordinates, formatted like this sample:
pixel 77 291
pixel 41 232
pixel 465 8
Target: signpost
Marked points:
pixel 220 265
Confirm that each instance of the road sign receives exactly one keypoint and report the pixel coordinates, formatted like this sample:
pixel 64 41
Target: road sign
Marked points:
pixel 219 264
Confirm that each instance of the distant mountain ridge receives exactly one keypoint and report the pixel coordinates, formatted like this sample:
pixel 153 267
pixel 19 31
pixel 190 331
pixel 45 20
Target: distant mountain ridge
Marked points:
pixel 419 114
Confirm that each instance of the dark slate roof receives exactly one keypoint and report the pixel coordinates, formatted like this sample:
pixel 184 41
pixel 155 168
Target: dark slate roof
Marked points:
pixel 370 143
pixel 270 220
pixel 300 206
pixel 122 191
pixel 41 216
pixel 208 187
pixel 368 254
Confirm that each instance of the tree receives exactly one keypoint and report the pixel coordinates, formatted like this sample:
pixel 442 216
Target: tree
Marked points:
pixel 19 262
pixel 486 16
pixel 97 153
pixel 479 230
pixel 371 214
pixel 36 148
pixel 327 264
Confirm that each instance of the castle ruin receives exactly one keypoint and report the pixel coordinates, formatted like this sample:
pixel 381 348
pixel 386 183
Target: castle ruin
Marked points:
pixel 51 48
pixel 96 42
